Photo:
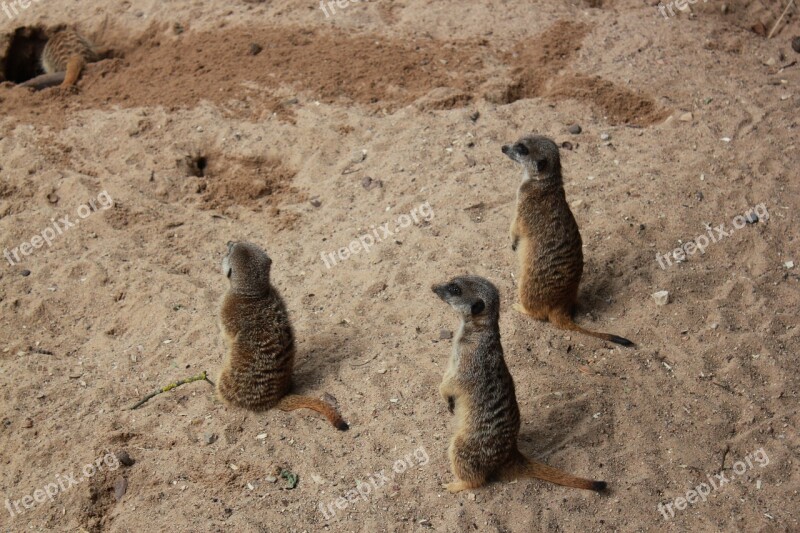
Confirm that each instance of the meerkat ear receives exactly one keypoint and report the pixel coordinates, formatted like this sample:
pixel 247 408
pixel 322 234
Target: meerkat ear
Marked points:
pixel 541 164
pixel 478 307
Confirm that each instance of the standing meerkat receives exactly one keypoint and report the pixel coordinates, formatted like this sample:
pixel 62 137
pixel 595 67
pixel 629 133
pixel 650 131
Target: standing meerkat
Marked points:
pixel 479 390
pixel 546 238
pixel 257 373
pixel 67 51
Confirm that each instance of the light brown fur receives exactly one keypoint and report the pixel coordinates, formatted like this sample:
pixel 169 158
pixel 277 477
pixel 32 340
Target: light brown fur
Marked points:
pixel 257 373
pixel 479 391
pixel 546 238
pixel 69 52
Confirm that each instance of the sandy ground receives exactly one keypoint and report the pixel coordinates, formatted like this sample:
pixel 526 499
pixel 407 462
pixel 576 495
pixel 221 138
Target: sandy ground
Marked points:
pixel 269 121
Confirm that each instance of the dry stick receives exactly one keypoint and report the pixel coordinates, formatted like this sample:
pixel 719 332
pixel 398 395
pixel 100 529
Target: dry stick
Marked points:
pixel 775 27
pixel 199 377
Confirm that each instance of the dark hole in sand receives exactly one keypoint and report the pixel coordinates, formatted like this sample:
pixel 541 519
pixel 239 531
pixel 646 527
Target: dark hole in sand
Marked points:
pixel 20 61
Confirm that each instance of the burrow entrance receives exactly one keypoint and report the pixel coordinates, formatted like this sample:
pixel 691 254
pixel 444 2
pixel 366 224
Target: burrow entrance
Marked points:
pixel 19 61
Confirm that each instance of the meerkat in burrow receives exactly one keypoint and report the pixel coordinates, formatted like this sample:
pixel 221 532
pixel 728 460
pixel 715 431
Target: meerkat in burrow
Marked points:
pixel 67 51
pixel 479 390
pixel 257 373
pixel 546 238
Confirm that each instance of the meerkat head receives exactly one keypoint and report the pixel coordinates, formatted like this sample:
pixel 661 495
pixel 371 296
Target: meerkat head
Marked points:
pixel 247 266
pixel 470 296
pixel 537 154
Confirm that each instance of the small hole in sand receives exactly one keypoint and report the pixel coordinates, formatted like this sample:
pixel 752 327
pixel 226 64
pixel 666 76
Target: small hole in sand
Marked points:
pixel 198 166
pixel 20 61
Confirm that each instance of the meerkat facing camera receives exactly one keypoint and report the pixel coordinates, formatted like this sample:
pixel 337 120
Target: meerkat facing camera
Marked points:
pixel 257 373
pixel 479 391
pixel 546 238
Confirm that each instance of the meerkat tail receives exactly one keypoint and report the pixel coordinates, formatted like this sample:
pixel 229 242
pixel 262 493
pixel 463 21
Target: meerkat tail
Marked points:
pixel 566 322
pixel 293 401
pixel 522 467
pixel 44 81
pixel 74 68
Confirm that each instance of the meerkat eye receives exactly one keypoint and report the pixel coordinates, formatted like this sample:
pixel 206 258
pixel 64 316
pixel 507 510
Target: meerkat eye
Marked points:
pixel 230 271
pixel 521 149
pixel 454 289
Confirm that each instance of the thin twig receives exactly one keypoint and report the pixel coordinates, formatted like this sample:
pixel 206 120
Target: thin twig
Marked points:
pixel 199 377
pixel 775 27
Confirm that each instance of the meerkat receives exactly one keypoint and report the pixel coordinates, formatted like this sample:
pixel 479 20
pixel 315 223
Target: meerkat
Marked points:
pixel 479 391
pixel 546 239
pixel 67 51
pixel 257 373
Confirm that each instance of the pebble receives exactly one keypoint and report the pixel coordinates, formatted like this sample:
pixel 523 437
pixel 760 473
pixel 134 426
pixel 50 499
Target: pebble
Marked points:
pixel 661 297
pixel 124 458
pixel 27 423
pixel 358 156
pixel 120 488
pixel 368 183
pixel 475 115
pixel 316 202
pixel 271 479
pixel 209 438
pixel 566 145
pixel 445 334
pixel 25 273
pixel 789 264
pixel 751 218
pixel 255 49
pixel 605 137
pixel 686 117
pixel 575 129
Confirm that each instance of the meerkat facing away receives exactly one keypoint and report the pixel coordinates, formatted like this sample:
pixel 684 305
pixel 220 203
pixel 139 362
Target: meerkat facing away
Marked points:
pixel 546 238
pixel 257 373
pixel 479 390
pixel 67 51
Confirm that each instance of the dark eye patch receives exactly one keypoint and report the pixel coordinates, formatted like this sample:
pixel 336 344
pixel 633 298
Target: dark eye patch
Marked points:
pixel 454 289
pixel 521 149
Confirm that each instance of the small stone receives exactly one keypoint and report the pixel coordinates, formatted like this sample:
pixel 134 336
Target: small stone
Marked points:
pixel 255 49
pixel 270 479
pixel 316 202
pixel 751 218
pixel 789 264
pixel 475 115
pixel 686 117
pixel 605 137
pixel 575 129
pixel 577 203
pixel 52 198
pixel 120 488
pixel 209 438
pixel 124 458
pixel 796 44
pixel 261 436
pixel 699 196
pixel 358 156
pixel 368 183
pixel 25 273
pixel 566 145
pixel 471 496
pixel 770 62
pixel 445 334
pixel 661 297
pixel 27 423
